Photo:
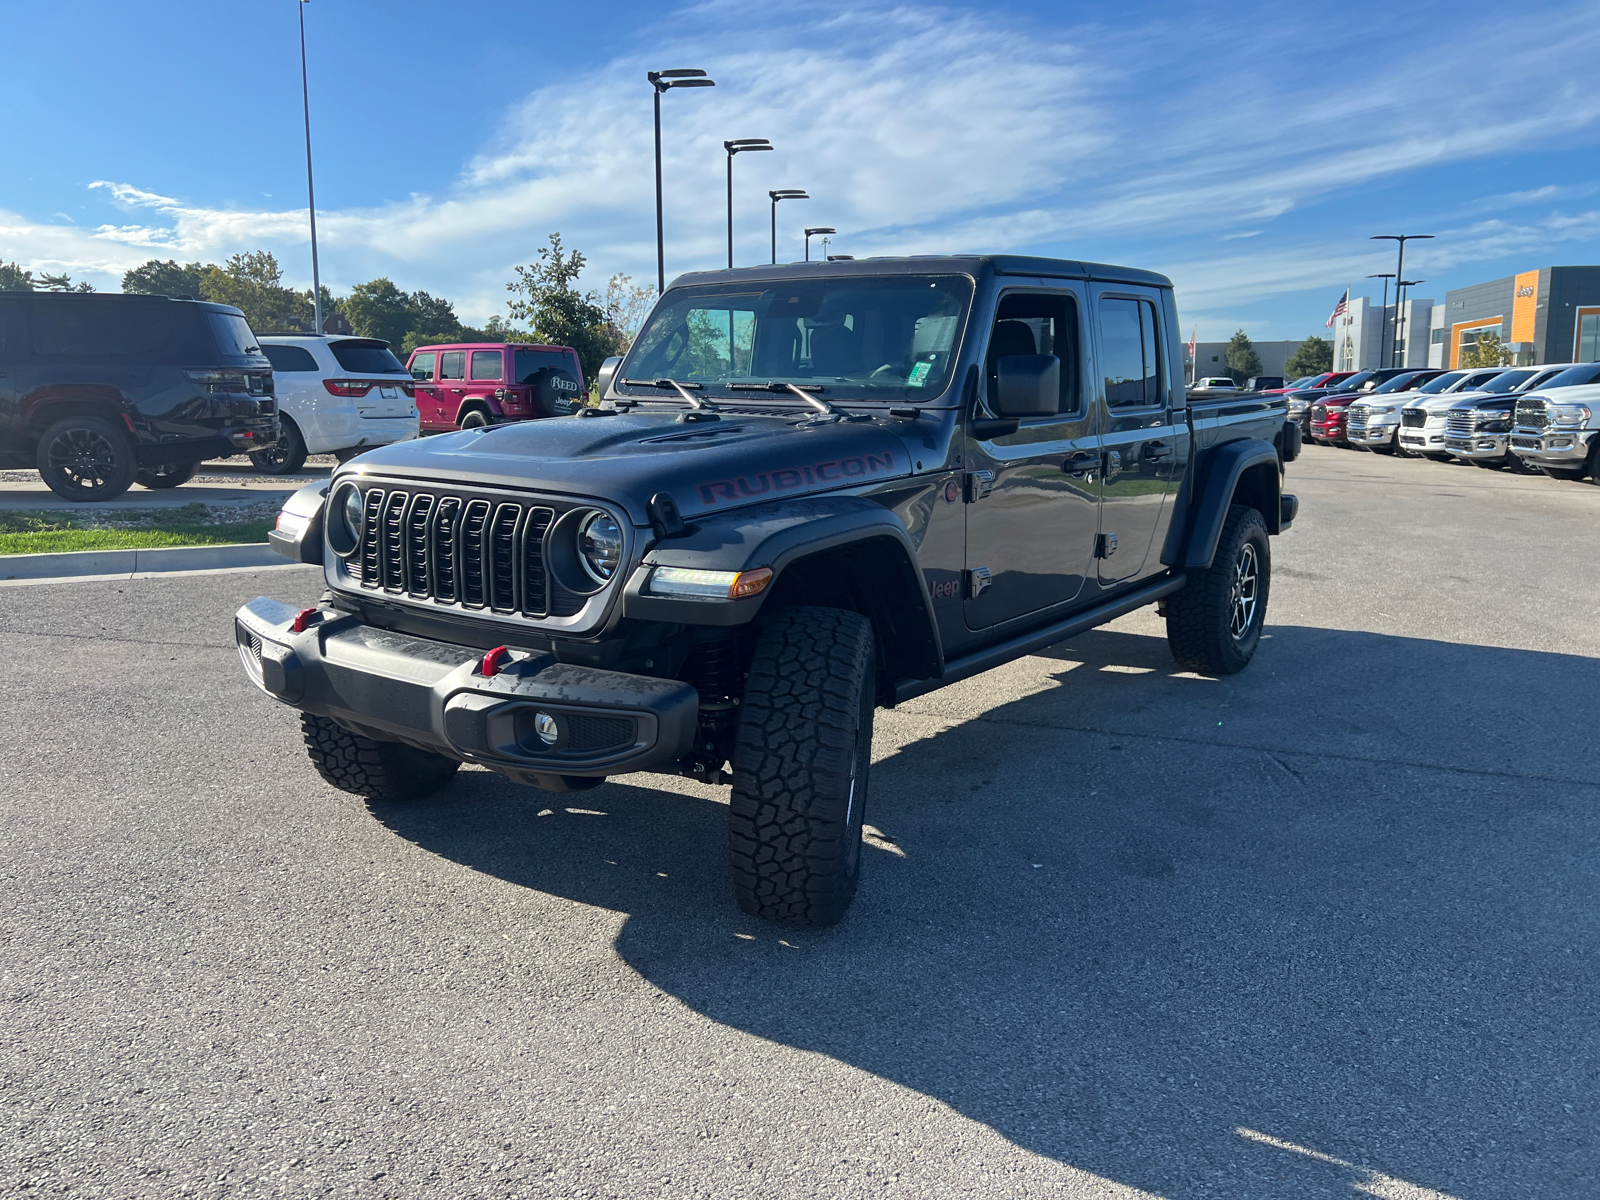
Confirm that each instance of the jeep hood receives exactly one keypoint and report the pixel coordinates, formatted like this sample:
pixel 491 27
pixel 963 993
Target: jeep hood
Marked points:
pixel 704 465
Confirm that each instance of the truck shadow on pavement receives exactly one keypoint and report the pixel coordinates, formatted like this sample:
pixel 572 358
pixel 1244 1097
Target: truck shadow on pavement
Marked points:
pixel 1267 936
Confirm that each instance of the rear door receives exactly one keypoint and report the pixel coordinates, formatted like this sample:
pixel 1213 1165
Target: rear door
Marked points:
pixel 451 387
pixel 1142 434
pixel 1033 494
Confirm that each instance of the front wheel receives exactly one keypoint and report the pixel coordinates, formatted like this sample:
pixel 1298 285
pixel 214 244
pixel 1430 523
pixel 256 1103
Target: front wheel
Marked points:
pixel 800 764
pixel 377 770
pixel 167 475
pixel 1214 623
pixel 86 459
pixel 285 458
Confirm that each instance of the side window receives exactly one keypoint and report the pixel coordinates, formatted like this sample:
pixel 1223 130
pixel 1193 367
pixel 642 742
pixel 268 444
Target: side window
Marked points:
pixel 487 364
pixel 1130 353
pixel 422 367
pixel 1038 323
pixel 453 364
pixel 289 358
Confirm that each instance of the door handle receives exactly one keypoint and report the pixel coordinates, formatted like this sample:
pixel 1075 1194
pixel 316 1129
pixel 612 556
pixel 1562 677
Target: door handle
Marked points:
pixel 1156 451
pixel 1081 462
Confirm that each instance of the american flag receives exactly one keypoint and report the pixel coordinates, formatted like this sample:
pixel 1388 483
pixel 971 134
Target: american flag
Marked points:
pixel 1339 309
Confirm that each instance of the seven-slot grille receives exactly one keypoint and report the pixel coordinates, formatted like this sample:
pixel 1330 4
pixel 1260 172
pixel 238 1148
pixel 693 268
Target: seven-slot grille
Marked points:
pixel 471 552
pixel 1532 414
pixel 1413 418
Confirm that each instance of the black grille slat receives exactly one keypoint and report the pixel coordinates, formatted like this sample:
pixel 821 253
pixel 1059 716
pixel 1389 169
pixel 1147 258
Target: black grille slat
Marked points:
pixel 446 560
pixel 535 579
pixel 371 547
pixel 416 544
pixel 391 527
pixel 472 523
pixel 502 555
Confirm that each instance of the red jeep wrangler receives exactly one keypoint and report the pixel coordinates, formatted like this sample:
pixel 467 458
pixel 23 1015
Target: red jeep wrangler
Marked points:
pixel 469 385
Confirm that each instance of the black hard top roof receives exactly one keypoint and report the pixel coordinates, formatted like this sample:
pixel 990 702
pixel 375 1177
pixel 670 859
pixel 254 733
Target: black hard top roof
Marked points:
pixel 976 265
pixel 114 298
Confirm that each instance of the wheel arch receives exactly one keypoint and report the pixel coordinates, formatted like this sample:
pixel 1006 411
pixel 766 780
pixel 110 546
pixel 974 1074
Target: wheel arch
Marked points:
pixel 1246 471
pixel 47 411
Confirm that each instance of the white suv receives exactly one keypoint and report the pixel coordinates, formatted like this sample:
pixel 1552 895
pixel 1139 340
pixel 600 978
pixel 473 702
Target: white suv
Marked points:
pixel 1422 420
pixel 1557 426
pixel 336 395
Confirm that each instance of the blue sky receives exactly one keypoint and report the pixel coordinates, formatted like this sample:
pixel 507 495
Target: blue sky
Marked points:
pixel 1247 151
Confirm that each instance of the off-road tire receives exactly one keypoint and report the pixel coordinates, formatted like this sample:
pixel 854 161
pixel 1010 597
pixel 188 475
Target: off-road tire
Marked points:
pixel 801 757
pixel 86 459
pixel 475 419
pixel 377 770
pixel 167 475
pixel 1200 618
pixel 287 457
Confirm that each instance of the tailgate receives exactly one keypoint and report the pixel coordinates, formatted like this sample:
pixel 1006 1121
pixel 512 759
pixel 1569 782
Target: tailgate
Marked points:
pixel 385 400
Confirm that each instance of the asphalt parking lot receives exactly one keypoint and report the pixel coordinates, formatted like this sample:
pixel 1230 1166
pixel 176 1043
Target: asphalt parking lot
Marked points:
pixel 1328 927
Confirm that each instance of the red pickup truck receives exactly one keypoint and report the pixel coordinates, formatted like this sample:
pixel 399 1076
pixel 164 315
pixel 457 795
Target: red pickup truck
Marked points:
pixel 470 385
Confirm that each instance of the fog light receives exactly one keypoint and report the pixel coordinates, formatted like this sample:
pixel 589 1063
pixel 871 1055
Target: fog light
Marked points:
pixel 546 727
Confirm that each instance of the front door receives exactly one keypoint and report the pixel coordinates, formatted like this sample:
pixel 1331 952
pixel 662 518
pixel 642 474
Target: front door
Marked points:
pixel 1143 435
pixel 1032 493
pixel 422 366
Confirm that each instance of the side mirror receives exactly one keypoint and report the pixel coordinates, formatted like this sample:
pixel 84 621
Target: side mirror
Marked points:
pixel 1027 385
pixel 607 372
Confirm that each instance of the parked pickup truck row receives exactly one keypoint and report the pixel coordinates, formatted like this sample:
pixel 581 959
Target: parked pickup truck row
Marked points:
pixel 903 472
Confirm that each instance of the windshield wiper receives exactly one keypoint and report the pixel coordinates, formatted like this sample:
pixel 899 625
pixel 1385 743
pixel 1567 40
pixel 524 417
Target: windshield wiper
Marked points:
pixel 801 390
pixel 682 390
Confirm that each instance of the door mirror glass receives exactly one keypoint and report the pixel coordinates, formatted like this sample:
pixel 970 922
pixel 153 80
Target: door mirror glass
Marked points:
pixel 607 372
pixel 1027 385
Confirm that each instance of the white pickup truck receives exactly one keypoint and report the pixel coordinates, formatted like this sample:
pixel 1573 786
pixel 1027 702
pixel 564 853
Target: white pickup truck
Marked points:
pixel 1422 421
pixel 1557 427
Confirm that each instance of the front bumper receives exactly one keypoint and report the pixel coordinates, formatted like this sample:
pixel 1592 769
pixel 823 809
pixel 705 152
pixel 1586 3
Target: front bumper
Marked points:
pixel 1425 440
pixel 1370 434
pixel 394 687
pixel 1477 445
pixel 1560 447
pixel 1328 431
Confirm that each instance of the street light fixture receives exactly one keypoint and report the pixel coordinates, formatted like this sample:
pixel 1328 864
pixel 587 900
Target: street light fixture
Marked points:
pixel 1400 287
pixel 1383 315
pixel 311 191
pixel 781 194
pixel 663 81
pixel 818 229
pixel 1400 265
pixel 738 146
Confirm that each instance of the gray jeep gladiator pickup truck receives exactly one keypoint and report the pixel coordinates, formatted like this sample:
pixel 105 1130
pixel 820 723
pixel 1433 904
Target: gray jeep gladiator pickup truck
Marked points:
pixel 807 491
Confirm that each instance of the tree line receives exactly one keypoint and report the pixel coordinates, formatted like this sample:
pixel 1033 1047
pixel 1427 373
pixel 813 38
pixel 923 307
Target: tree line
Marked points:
pixel 1312 357
pixel 547 304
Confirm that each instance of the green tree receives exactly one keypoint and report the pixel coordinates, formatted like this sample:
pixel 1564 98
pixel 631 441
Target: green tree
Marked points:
pixel 1312 357
pixel 1243 361
pixel 626 306
pixel 559 313
pixel 14 279
pixel 59 283
pixel 157 278
pixel 378 309
pixel 253 283
pixel 1487 351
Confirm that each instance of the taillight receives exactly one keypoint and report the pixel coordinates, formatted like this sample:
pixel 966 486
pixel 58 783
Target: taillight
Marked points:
pixel 409 388
pixel 347 387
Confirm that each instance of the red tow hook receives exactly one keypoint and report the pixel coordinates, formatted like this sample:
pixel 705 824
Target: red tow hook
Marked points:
pixel 304 618
pixel 493 661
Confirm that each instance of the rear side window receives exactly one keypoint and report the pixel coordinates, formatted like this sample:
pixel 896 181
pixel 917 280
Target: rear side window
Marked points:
pixel 487 364
pixel 102 330
pixel 453 364
pixel 1575 377
pixel 530 362
pixel 289 358
pixel 10 328
pixel 1129 353
pixel 422 367
pixel 367 358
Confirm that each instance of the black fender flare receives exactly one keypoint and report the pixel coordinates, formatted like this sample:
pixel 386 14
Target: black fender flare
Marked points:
pixel 782 535
pixel 1225 466
pixel 304 546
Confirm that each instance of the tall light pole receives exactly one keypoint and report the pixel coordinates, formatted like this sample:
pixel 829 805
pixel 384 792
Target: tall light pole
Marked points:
pixel 1400 265
pixel 663 81
pixel 311 191
pixel 1383 316
pixel 810 232
pixel 737 146
pixel 781 194
pixel 1400 288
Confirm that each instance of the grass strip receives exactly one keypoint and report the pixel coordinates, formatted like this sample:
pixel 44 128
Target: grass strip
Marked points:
pixel 61 541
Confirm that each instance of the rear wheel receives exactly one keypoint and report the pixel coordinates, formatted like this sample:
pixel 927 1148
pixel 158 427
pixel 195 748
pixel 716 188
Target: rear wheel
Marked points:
pixel 800 765
pixel 86 459
pixel 476 419
pixel 287 457
pixel 1214 623
pixel 167 475
pixel 377 770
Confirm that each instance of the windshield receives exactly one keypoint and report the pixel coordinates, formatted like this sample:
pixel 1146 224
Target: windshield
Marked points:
pixel 1506 381
pixel 1441 382
pixel 1354 382
pixel 1399 383
pixel 1575 376
pixel 881 338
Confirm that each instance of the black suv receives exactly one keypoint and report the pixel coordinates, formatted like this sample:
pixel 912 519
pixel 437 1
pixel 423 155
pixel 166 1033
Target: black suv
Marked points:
pixel 100 392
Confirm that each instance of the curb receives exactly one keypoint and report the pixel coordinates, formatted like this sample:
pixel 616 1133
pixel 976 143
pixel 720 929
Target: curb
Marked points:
pixel 138 562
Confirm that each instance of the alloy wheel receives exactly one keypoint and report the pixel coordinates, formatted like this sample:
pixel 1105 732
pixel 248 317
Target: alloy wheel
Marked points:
pixel 85 457
pixel 1244 591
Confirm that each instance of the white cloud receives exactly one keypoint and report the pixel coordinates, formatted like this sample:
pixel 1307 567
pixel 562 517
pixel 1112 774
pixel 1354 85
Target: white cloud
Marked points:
pixel 927 129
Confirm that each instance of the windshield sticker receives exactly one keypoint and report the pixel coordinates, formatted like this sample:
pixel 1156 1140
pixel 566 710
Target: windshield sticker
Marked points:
pixel 919 374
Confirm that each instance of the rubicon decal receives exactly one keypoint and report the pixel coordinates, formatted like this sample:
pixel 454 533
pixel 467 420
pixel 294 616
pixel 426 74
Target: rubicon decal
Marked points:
pixel 761 483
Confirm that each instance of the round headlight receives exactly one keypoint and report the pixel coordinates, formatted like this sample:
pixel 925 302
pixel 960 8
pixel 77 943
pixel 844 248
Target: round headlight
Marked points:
pixel 600 546
pixel 344 520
